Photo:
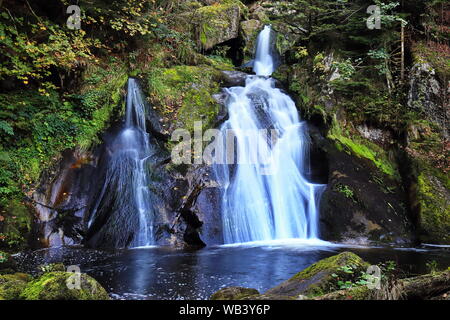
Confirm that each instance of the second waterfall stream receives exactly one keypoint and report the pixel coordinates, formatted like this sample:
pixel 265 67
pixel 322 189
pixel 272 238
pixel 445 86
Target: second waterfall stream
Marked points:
pixel 265 193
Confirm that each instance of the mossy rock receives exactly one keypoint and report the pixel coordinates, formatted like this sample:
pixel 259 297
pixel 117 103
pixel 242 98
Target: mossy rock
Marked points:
pixel 433 197
pixel 182 95
pixel 249 30
pixel 318 278
pixel 233 293
pixel 217 23
pixel 54 286
pixel 11 285
pixel 363 148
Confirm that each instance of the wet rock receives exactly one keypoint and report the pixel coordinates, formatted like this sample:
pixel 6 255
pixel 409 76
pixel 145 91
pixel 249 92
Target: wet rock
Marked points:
pixel 62 198
pixel 361 201
pixel 234 78
pixel 61 286
pixel 233 293
pixel 201 222
pixel 249 30
pixel 318 278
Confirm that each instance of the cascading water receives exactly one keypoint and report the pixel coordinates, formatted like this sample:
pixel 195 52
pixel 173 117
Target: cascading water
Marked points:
pixel 266 195
pixel 122 215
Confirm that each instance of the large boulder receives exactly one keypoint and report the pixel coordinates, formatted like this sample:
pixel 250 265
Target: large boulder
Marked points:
pixel 216 23
pixel 364 200
pixel 56 286
pixel 321 277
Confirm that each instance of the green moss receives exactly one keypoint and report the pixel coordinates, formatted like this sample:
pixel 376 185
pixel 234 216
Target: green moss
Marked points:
pixel 363 149
pixel 11 285
pixel 53 286
pixel 434 200
pixel 183 95
pixel 323 276
pixel 331 264
pixel 233 293
pixel 212 23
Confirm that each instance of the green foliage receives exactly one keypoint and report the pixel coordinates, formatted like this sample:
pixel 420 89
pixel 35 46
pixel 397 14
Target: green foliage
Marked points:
pixel 346 191
pixel 432 266
pixel 345 68
pixel 31 46
pixel 3 257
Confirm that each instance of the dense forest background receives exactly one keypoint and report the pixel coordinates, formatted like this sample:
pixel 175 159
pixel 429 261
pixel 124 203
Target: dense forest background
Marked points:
pixel 379 95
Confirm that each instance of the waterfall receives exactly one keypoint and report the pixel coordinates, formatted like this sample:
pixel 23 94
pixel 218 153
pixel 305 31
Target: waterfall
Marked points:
pixel 123 215
pixel 265 194
pixel 264 64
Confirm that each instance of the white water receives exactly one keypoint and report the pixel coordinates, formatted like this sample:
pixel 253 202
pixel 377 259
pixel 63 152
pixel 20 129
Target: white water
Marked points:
pixel 126 187
pixel 266 195
pixel 136 137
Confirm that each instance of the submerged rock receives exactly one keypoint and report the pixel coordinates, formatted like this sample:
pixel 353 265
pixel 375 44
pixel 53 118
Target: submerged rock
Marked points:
pixel 55 286
pixel 318 278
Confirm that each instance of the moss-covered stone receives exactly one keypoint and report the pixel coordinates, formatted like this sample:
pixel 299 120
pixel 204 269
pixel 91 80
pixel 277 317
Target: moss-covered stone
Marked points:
pixel 433 197
pixel 182 95
pixel 11 285
pixel 249 30
pixel 233 293
pixel 318 278
pixel 54 286
pixel 364 149
pixel 215 23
